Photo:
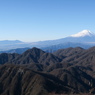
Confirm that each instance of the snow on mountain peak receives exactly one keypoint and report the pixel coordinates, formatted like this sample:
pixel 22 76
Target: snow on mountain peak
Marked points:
pixel 83 33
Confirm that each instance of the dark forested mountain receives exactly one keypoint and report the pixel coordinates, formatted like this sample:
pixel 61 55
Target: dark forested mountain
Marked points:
pixel 36 72
pixel 36 55
pixel 18 80
pixel 5 57
pixel 29 56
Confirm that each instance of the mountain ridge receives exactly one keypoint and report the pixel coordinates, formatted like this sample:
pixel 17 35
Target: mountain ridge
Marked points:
pixel 67 71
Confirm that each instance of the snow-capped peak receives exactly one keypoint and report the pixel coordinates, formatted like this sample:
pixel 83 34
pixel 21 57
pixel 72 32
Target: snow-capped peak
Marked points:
pixel 83 33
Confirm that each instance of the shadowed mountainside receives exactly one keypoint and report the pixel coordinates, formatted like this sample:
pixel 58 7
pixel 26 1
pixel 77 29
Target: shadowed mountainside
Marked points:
pixel 18 80
pixel 35 72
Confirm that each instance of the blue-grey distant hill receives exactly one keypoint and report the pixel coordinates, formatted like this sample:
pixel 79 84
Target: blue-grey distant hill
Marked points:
pixel 84 39
pixel 12 44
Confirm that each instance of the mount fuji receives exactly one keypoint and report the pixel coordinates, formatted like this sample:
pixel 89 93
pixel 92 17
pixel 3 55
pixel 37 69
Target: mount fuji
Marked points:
pixel 84 36
pixel 84 33
pixel 84 39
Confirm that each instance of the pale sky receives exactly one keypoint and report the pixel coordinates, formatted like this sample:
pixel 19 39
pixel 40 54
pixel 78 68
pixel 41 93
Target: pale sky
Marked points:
pixel 38 20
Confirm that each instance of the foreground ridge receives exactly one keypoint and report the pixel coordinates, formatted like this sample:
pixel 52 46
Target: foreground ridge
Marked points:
pixel 36 72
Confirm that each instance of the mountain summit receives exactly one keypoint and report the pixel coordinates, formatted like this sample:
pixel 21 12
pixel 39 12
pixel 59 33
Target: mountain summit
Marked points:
pixel 83 34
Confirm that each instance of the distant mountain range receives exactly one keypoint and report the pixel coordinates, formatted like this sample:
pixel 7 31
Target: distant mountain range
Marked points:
pixel 12 44
pixel 35 72
pixel 84 39
pixel 18 50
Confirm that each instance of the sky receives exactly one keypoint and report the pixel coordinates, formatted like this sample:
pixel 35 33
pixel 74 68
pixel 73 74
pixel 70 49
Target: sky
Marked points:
pixel 38 20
